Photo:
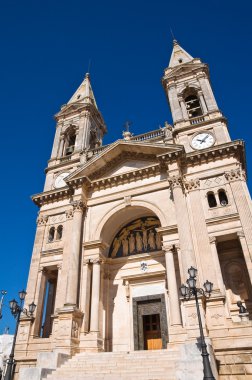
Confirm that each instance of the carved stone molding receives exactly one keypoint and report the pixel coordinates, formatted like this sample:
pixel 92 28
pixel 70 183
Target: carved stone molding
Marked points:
pixel 97 260
pixel 192 184
pixel 235 175
pixel 69 213
pixel 127 200
pixel 78 206
pixel 168 247
pixel 212 240
pixel 175 181
pixel 42 220
pixel 240 234
pixel 86 261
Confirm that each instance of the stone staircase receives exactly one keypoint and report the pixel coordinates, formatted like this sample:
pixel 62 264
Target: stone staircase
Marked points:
pixel 142 365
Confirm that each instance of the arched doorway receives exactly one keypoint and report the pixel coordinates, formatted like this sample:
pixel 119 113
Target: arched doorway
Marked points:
pixel 134 286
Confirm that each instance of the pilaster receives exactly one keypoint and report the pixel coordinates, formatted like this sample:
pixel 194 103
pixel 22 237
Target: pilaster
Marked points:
pixel 184 230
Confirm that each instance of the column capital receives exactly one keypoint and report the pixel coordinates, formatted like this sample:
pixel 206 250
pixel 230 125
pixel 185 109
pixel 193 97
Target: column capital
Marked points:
pixel 240 234
pixel 212 240
pixel 235 175
pixel 168 247
pixel 42 220
pixel 175 181
pixel 78 206
pixel 192 184
pixel 97 260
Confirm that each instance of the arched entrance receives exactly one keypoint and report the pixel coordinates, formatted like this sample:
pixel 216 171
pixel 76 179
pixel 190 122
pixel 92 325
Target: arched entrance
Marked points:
pixel 134 287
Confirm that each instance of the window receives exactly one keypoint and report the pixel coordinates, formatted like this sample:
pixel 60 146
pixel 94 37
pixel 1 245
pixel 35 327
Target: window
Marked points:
pixel 59 232
pixel 223 197
pixel 211 200
pixel 193 106
pixel 51 234
pixel 70 143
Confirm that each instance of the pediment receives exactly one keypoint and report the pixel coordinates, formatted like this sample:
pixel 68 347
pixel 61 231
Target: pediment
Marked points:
pixel 122 157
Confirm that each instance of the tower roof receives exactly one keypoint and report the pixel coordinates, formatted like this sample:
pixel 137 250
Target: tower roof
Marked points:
pixel 179 55
pixel 84 93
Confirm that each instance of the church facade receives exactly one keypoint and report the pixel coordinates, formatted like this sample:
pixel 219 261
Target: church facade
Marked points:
pixel 119 225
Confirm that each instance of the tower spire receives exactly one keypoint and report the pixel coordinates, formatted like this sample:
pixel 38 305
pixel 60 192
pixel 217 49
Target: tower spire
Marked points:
pixel 179 55
pixel 84 93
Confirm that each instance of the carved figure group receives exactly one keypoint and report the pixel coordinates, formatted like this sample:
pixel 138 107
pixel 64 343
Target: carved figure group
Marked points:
pixel 139 236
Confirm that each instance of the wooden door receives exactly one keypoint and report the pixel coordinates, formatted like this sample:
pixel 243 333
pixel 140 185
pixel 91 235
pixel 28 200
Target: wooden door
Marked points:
pixel 152 332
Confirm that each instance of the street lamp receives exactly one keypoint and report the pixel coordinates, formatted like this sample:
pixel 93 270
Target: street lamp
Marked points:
pixel 3 293
pixel 192 291
pixel 16 310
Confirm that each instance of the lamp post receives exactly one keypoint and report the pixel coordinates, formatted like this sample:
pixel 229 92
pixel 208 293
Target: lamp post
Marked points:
pixel 192 291
pixel 3 293
pixel 16 310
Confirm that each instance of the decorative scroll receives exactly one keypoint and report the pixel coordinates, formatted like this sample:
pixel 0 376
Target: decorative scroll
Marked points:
pixel 138 236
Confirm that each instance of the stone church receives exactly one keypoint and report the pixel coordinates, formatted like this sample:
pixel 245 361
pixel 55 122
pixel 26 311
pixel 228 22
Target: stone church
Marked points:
pixel 118 227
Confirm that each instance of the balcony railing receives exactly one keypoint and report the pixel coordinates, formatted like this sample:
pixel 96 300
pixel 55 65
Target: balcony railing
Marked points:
pixel 197 120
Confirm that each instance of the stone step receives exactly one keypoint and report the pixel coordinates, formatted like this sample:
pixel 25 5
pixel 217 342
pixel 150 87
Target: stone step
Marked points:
pixel 139 365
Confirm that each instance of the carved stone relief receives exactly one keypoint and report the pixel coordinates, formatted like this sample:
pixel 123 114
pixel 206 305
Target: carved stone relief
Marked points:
pixel 136 237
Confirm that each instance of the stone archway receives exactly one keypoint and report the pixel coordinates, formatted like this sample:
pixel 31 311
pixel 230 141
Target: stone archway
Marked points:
pixel 127 274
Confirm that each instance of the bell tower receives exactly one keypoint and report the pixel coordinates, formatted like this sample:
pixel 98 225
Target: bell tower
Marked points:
pixel 79 128
pixel 192 102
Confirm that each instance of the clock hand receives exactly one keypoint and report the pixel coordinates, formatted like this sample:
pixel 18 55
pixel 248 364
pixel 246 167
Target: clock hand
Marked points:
pixel 204 139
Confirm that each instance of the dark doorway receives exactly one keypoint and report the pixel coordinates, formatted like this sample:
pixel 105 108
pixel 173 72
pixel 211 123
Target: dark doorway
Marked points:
pixel 152 332
pixel 150 322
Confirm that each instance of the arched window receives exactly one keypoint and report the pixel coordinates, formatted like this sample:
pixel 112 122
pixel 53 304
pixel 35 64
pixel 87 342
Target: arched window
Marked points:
pixel 70 142
pixel 193 106
pixel 223 197
pixel 211 200
pixel 59 232
pixel 51 234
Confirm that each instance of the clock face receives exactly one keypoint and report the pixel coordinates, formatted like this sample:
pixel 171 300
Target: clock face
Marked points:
pixel 202 140
pixel 59 180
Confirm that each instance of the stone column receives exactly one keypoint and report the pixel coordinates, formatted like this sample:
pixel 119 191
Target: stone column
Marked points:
pixel 183 107
pixel 172 285
pixel 58 292
pixel 184 230
pixel 174 103
pixel 242 200
pixel 215 256
pixel 96 279
pixel 61 146
pixel 86 292
pixel 246 253
pixel 34 275
pixel 74 254
pixel 57 141
pixel 202 102
pixel 208 92
pixel 204 257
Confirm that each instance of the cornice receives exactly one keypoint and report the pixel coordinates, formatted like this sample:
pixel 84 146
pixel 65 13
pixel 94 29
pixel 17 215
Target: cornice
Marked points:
pixel 219 151
pixel 66 163
pixel 222 219
pixel 52 195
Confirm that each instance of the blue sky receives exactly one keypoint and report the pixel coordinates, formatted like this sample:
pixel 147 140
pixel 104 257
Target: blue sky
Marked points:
pixel 45 50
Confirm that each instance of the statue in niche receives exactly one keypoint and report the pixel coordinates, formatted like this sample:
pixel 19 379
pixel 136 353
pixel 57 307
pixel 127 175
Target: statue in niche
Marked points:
pixel 125 245
pixel 151 240
pixel 158 241
pixel 145 238
pixel 139 242
pixel 131 243
pixel 116 246
pixel 236 282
